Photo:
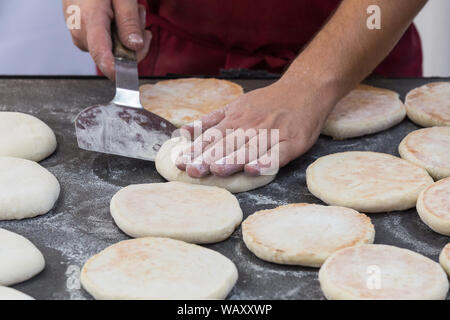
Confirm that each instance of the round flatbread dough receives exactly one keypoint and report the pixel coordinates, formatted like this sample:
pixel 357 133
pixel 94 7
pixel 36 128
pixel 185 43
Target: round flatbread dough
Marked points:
pixel 158 268
pixel 183 101
pixel 26 189
pixel 239 182
pixel 366 181
pixel 444 258
pixel 433 206
pixel 20 260
pixel 429 105
pixel 304 234
pixel 182 211
pixel 376 271
pixel 365 110
pixel 12 294
pixel 24 136
pixel 429 148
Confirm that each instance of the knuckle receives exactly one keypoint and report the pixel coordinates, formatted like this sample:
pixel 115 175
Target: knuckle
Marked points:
pixel 129 23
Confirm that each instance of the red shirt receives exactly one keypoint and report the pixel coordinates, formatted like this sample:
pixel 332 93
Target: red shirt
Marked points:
pixel 204 36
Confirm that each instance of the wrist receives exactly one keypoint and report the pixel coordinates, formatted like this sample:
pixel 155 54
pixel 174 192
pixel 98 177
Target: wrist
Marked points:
pixel 307 89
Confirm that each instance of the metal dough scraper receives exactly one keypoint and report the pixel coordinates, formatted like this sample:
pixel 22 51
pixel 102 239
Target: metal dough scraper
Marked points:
pixel 123 127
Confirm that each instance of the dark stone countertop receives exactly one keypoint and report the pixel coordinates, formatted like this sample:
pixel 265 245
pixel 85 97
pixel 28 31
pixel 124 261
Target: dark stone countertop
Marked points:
pixel 80 224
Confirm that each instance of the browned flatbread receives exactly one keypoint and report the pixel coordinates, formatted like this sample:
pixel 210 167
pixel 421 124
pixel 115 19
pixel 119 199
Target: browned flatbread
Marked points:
pixel 305 234
pixel 428 148
pixel 365 110
pixel 378 271
pixel 433 206
pixel 183 101
pixel 366 181
pixel 429 105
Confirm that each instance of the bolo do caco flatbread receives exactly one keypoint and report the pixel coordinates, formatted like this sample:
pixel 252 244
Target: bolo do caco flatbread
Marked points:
pixel 429 105
pixel 366 181
pixel 158 269
pixel 365 110
pixel 183 101
pixel 182 211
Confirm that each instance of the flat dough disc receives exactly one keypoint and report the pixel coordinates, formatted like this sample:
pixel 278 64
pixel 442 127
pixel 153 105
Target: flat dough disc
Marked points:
pixel 158 268
pixel 376 271
pixel 182 211
pixel 429 105
pixel 12 294
pixel 24 136
pixel 26 189
pixel 366 181
pixel 20 260
pixel 239 182
pixel 433 206
pixel 444 258
pixel 429 148
pixel 304 234
pixel 365 110
pixel 183 101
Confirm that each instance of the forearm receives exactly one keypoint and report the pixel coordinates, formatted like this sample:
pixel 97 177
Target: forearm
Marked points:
pixel 345 51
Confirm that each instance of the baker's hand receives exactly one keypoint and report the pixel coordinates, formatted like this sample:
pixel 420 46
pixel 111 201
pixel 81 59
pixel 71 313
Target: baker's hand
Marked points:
pixel 298 112
pixel 95 32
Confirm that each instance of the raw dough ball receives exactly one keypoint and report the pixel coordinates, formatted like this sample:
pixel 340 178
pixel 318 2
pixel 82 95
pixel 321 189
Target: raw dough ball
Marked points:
pixel 158 268
pixel 26 189
pixel 429 105
pixel 183 101
pixel 366 181
pixel 12 294
pixel 304 234
pixel 376 271
pixel 433 206
pixel 20 260
pixel 365 110
pixel 429 148
pixel 239 182
pixel 25 136
pixel 191 213
pixel 444 258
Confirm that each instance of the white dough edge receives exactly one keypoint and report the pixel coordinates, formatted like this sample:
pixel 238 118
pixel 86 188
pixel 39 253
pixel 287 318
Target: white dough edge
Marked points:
pixel 435 223
pixel 406 202
pixel 332 292
pixel 137 231
pixel 28 263
pixel 444 260
pixel 12 294
pixel 27 208
pixel 421 118
pixel 239 182
pixel 31 151
pixel 436 172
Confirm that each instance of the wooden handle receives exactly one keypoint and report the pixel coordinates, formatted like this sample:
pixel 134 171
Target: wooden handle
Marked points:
pixel 119 50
